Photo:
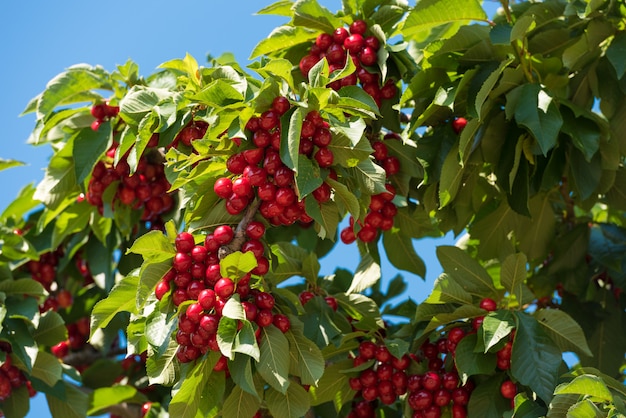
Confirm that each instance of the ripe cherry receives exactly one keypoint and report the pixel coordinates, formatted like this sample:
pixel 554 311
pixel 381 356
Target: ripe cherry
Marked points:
pixel 223 187
pixel 488 304
pixel 255 230
pixel 264 300
pixel 508 389
pixel 305 296
pixel 459 124
pixel 358 26
pixel 264 317
pixel 224 288
pixel 347 235
pixel 324 157
pixel 184 242
pixel 282 322
pixel 223 234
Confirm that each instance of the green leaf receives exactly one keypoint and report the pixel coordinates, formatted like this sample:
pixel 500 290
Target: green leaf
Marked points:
pixel 153 246
pixel 466 271
pixel 47 368
pixel 246 343
pixel 345 196
pixel 59 179
pixel 534 109
pixel 237 264
pixel 359 306
pixel 141 100
pixel 241 371
pixel 615 54
pixel 6 164
pixel 240 404
pixel 121 299
pixel 366 275
pixel 73 219
pixel 281 39
pixel 371 177
pixel 219 93
pixel 105 397
pixel 273 363
pixel 293 403
pixel 226 332
pixel 513 277
pixel 470 363
pixel 485 401
pixel 432 13
pixel 21 287
pixel 585 409
pixel 162 368
pixel 448 291
pixel 310 14
pixel 564 331
pixel 401 252
pixel 535 360
pixel 51 329
pixel 307 177
pixel 326 215
pixel 68 86
pixel 306 356
pixel 89 146
pixel 74 405
pixel 18 404
pixel 290 138
pixel 496 326
pixel 451 177
pixel 334 386
pixel 200 391
pixel 587 385
pixel 536 233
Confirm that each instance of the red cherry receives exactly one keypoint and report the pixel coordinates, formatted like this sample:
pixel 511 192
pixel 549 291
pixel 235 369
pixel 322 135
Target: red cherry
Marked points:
pixel 281 105
pixel 340 35
pixel 223 234
pixel 368 56
pixel 224 288
pixel 372 42
pixel 431 381
pixel 184 242
pixel 455 335
pixel 59 350
pixel 367 233
pixel 98 111
pixel 264 300
pixel 354 43
pixel 323 41
pixel 264 318
pixel 322 137
pixel 460 396
pixel 282 322
pixel 306 63
pixel 236 163
pixel 255 230
pixel 161 289
pixel 332 302
pixel 508 389
pixel 488 304
pixel 358 26
pixel 223 187
pixel 305 296
pixel 459 124
pixel 322 194
pixel 347 235
pixel 391 164
pixel 269 120
pixel 420 400
pixel 206 299
pixel 145 408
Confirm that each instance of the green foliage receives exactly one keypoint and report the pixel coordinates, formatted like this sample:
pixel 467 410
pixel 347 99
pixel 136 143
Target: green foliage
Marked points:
pixel 507 133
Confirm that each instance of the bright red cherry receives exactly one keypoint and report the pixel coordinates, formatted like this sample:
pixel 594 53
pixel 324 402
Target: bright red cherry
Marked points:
pixel 184 242
pixel 223 187
pixel 358 26
pixel 508 389
pixel 488 304
pixel 282 322
pixel 223 234
pixel 459 124
pixel 224 288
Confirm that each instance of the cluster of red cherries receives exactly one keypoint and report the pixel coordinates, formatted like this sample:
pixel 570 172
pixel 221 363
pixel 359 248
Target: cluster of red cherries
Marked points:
pixel 260 171
pixel 102 112
pixel 77 336
pixel 381 210
pixel 11 377
pixel 362 49
pixel 196 276
pixel 385 380
pixel 145 189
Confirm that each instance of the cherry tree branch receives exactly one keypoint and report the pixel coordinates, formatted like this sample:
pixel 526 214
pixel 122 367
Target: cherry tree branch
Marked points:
pixel 240 231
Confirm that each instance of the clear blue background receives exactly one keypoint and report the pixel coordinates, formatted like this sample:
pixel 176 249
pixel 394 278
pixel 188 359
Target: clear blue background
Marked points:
pixel 42 38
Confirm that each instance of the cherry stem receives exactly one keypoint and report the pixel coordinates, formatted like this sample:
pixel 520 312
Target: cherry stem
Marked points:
pixel 240 231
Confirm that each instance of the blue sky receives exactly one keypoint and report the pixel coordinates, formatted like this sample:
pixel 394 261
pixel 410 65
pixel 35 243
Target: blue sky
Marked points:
pixel 43 38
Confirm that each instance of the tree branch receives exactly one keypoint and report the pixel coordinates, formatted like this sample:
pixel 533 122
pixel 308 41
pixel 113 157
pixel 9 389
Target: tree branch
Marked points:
pixel 240 231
